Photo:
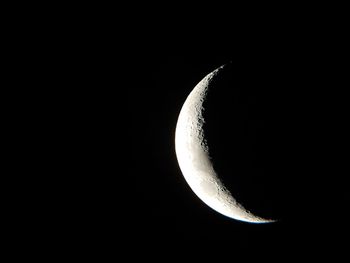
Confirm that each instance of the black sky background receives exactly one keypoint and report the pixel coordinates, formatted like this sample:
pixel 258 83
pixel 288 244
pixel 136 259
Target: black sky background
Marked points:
pixel 97 122
pixel 124 185
pixel 298 71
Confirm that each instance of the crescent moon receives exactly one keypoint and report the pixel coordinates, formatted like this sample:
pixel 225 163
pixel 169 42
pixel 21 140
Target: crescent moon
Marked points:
pixel 192 153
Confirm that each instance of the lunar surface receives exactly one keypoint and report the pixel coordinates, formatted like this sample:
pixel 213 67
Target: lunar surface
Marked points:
pixel 194 158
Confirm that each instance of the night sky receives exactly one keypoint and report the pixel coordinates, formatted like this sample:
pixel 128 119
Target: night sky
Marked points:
pixel 107 96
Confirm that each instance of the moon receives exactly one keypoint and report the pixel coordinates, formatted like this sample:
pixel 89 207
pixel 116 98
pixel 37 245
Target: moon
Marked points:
pixel 196 164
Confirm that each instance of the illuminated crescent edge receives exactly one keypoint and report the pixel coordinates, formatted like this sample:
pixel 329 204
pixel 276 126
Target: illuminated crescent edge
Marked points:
pixel 194 160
